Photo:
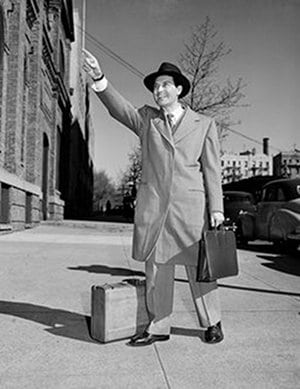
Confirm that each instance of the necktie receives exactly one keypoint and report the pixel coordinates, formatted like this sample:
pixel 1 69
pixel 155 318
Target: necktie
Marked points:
pixel 171 120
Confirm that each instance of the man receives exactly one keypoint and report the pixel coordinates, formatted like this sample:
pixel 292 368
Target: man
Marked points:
pixel 179 194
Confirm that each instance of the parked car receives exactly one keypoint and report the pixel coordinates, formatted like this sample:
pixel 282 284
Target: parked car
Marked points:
pixel 277 215
pixel 117 210
pixel 236 202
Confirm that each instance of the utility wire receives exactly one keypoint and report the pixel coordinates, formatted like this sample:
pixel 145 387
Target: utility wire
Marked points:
pixel 249 138
pixel 113 55
pixel 141 75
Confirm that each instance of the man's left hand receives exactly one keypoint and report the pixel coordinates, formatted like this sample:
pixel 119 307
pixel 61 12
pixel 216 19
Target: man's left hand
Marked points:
pixel 216 219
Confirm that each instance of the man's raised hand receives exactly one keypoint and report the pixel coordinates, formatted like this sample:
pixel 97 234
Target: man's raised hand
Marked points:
pixel 91 65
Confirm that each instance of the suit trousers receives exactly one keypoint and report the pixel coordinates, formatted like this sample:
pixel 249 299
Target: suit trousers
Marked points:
pixel 160 294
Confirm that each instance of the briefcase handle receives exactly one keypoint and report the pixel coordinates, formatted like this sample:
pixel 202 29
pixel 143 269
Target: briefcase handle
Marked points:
pixel 220 227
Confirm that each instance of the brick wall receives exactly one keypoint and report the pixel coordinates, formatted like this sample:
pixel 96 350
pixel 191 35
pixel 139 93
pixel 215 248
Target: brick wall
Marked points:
pixel 34 101
pixel 14 95
pixel 3 80
pixel 33 144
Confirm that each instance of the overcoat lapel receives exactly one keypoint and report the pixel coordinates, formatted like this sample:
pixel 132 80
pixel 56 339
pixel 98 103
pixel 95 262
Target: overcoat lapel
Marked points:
pixel 188 124
pixel 164 130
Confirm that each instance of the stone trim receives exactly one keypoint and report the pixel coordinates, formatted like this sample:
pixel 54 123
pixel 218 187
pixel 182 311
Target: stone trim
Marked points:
pixel 12 180
pixel 56 200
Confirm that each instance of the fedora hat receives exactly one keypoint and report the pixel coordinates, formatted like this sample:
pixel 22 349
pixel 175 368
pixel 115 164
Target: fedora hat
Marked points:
pixel 168 69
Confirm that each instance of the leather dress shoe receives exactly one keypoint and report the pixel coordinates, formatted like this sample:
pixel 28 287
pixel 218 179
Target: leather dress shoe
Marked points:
pixel 146 339
pixel 214 334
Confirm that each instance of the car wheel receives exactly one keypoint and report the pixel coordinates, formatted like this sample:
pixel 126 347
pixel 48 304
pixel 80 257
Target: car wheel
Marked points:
pixel 241 240
pixel 287 246
pixel 292 246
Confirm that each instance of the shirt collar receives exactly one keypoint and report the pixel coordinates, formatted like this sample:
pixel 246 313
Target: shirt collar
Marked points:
pixel 176 113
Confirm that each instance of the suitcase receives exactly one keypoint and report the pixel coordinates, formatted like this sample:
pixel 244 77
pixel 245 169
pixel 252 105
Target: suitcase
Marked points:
pixel 118 310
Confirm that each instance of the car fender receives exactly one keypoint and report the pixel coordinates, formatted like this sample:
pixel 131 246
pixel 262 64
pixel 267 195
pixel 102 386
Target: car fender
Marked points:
pixel 246 223
pixel 282 223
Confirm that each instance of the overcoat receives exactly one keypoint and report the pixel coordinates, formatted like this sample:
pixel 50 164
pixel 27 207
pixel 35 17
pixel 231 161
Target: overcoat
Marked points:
pixel 180 184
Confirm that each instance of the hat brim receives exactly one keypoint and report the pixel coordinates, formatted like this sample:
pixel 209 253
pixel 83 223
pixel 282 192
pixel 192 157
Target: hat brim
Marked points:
pixel 179 79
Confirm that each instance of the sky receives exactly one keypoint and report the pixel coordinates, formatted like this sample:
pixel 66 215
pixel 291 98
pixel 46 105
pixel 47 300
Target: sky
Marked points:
pixel 264 36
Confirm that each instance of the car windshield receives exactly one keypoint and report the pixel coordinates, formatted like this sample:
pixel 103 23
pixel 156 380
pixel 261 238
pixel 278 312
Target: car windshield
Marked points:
pixel 294 193
pixel 282 191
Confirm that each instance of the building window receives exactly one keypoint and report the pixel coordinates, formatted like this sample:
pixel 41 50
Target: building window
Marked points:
pixel 28 208
pixel 24 108
pixel 1 36
pixel 58 155
pixel 4 203
pixel 61 61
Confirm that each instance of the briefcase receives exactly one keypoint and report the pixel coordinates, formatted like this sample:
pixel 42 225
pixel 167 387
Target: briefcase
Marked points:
pixel 217 255
pixel 118 310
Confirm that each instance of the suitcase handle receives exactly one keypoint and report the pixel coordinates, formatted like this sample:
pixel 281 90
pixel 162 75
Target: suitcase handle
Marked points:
pixel 130 281
pixel 133 281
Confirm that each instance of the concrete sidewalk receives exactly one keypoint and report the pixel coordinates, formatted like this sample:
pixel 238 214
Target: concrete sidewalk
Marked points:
pixel 46 277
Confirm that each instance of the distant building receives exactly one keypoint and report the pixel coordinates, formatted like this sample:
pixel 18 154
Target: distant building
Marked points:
pixel 237 166
pixel 287 164
pixel 35 108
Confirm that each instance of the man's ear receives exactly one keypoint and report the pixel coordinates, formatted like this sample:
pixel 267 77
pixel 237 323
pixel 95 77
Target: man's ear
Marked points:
pixel 179 89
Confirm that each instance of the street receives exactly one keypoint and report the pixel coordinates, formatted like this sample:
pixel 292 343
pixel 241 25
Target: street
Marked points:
pixel 46 277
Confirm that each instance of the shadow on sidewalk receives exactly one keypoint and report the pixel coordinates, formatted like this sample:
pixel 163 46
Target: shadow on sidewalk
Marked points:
pixel 191 332
pixel 259 290
pixel 60 322
pixel 282 263
pixel 286 262
pixel 67 324
pixel 247 289
pixel 114 271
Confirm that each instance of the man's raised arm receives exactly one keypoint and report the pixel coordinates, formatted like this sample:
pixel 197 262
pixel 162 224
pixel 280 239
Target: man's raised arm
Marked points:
pixel 118 107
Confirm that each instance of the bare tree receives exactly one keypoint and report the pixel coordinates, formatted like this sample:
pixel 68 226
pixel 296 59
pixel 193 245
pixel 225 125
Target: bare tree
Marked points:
pixel 200 61
pixel 132 176
pixel 103 187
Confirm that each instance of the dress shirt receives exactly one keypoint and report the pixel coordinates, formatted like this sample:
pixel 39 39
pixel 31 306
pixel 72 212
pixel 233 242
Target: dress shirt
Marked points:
pixel 174 116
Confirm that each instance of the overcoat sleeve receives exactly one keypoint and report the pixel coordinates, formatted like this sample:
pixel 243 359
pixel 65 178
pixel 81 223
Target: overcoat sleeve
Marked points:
pixel 122 110
pixel 211 168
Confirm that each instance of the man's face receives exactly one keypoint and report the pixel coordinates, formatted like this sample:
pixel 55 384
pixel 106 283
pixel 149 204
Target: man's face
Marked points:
pixel 165 92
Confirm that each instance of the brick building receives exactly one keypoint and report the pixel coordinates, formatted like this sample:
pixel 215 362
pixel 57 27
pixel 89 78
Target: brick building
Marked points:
pixel 287 164
pixel 35 109
pixel 77 191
